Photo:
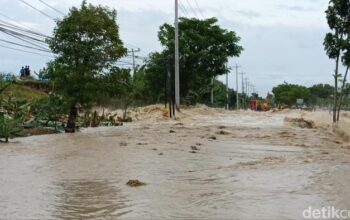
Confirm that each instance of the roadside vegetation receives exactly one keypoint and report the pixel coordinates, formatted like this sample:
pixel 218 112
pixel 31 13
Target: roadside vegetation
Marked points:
pixel 85 74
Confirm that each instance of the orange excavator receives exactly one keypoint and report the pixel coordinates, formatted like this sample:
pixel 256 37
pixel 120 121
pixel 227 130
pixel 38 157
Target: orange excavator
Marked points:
pixel 260 105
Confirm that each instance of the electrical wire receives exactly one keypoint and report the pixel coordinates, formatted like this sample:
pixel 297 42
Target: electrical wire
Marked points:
pixel 25 51
pixel 53 8
pixel 22 45
pixel 199 8
pixel 36 9
pixel 183 9
pixel 190 6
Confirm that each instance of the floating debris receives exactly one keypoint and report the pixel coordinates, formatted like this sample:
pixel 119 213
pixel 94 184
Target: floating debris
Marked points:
pixel 123 144
pixel 194 148
pixel 135 183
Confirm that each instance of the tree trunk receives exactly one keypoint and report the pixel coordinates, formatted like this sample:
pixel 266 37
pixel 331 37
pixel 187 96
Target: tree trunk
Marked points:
pixel 71 119
pixel 342 94
pixel 335 105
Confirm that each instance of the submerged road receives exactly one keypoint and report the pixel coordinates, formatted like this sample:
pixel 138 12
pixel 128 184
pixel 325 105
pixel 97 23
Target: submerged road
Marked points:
pixel 222 165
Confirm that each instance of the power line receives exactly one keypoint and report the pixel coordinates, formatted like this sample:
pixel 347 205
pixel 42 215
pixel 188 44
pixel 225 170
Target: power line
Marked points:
pixel 36 9
pixel 22 36
pixel 199 9
pixel 22 45
pixel 20 25
pixel 183 9
pixel 25 51
pixel 190 5
pixel 6 25
pixel 55 9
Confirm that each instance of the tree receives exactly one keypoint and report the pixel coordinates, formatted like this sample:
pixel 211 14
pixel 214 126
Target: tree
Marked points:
pixel 87 44
pixel 288 94
pixel 322 90
pixel 337 45
pixel 205 48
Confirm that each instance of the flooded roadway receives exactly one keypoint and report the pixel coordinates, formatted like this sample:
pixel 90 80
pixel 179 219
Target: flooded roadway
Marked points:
pixel 256 168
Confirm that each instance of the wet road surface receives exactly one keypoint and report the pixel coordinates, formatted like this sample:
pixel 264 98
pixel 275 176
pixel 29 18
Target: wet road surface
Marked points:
pixel 256 168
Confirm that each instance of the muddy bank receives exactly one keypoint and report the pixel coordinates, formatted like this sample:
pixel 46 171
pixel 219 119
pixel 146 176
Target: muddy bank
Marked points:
pixel 255 165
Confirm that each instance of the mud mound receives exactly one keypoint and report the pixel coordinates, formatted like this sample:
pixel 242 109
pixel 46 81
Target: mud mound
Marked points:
pixel 135 183
pixel 300 122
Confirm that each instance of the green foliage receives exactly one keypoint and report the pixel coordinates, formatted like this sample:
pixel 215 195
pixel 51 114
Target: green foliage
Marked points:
pixel 204 51
pixel 9 127
pixel 288 94
pixel 322 90
pixel 22 92
pixel 337 42
pixel 87 44
pixel 220 99
pixel 51 109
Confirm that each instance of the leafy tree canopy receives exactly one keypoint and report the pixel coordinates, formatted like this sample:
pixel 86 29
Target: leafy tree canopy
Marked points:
pixel 289 93
pixel 205 48
pixel 87 44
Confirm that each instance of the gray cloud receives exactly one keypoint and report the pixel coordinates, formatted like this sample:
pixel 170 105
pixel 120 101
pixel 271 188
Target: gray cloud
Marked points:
pixel 249 13
pixel 295 8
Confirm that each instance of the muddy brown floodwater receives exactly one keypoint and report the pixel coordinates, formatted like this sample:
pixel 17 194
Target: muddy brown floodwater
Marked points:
pixel 211 165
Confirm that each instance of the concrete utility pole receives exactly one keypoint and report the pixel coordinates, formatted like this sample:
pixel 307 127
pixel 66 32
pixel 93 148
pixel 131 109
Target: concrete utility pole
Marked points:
pixel 242 74
pixel 212 91
pixel 246 88
pixel 227 105
pixel 177 65
pixel 237 92
pixel 133 58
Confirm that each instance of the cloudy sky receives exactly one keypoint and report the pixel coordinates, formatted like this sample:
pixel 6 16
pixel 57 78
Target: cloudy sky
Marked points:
pixel 282 38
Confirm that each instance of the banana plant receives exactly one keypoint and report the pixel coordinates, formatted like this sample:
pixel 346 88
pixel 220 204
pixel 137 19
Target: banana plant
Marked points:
pixel 9 127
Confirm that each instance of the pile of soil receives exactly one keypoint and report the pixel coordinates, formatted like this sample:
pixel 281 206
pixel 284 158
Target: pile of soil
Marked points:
pixel 300 122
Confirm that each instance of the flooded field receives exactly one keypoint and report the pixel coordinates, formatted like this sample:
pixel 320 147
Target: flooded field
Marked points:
pixel 207 164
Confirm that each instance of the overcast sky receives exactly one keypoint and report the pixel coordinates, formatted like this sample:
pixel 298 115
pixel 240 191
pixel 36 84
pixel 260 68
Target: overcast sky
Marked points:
pixel 282 38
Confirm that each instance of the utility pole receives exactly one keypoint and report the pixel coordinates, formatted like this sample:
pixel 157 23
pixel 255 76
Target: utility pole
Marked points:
pixel 227 105
pixel 247 90
pixel 237 92
pixel 177 65
pixel 242 74
pixel 133 58
pixel 212 91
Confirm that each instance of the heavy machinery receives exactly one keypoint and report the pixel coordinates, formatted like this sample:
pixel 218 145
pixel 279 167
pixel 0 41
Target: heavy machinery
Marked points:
pixel 260 105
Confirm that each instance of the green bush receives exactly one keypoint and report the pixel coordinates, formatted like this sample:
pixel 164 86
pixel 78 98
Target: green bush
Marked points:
pixel 9 127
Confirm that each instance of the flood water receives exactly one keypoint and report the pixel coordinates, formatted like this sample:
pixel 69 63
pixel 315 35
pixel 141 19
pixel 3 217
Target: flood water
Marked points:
pixel 84 175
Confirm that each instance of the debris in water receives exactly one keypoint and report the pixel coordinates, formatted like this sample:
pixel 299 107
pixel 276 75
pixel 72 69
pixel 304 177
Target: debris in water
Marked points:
pixel 194 148
pixel 212 137
pixel 155 149
pixel 160 154
pixel 222 127
pixel 172 131
pixel 222 132
pixel 135 183
pixel 300 122
pixel 193 152
pixel 123 144
pixel 198 144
